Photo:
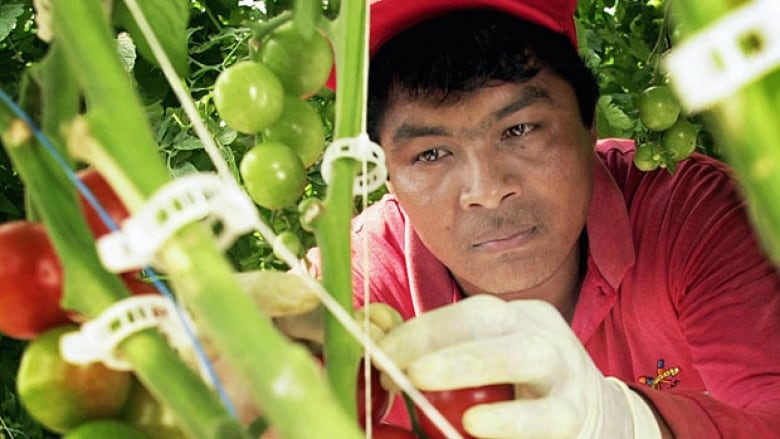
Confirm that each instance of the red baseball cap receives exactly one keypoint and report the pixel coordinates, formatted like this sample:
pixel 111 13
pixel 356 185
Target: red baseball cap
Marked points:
pixel 389 17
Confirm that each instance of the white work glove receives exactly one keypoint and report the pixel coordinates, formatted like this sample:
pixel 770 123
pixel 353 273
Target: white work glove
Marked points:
pixel 559 392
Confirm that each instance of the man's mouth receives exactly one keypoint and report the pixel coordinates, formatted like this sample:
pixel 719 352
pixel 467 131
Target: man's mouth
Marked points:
pixel 505 239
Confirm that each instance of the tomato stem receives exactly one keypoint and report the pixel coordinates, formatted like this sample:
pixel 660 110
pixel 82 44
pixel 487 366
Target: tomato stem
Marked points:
pixel 342 352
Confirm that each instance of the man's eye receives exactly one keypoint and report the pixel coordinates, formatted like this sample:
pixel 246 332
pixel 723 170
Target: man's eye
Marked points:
pixel 429 155
pixel 518 130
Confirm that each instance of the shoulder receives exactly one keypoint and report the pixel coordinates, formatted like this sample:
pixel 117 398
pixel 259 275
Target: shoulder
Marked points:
pixel 697 178
pixel 383 218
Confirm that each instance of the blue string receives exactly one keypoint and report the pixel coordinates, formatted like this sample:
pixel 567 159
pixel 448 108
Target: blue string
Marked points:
pixel 111 224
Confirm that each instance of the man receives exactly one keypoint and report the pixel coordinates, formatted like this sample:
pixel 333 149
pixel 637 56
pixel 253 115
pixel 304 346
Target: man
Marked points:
pixel 499 189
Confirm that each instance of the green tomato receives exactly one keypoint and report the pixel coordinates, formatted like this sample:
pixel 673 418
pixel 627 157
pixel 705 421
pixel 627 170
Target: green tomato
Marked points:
pixel 299 127
pixel 289 240
pixel 61 395
pixel 679 141
pixel 273 175
pixel 647 157
pixel 248 97
pixel 658 108
pixel 301 64
pixel 105 428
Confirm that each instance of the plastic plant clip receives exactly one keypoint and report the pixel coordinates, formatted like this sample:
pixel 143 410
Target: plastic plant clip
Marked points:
pixel 361 149
pixel 97 339
pixel 193 197
pixel 721 59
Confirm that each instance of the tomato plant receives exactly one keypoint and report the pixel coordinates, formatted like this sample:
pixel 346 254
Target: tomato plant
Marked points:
pixel 299 127
pixel 107 198
pixel 248 96
pixel 301 64
pixel 30 281
pixel 273 175
pixel 679 141
pixel 658 108
pixel 61 395
pixel 453 403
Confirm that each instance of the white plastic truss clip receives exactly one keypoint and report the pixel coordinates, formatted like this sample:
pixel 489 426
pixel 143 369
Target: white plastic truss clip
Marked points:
pixel 221 202
pixel 363 150
pixel 97 339
pixel 726 56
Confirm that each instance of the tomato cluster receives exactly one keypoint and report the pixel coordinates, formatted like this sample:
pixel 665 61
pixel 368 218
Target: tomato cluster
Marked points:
pixel 671 137
pixel 266 96
pixel 64 397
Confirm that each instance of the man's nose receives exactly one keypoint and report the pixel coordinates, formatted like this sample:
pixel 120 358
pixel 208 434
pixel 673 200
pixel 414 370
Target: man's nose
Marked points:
pixel 488 182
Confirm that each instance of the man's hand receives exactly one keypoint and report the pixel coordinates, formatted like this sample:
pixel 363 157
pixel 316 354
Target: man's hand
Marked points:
pixel 559 393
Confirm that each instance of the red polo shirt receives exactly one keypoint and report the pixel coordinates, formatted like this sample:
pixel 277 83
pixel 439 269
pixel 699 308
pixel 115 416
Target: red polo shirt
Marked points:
pixel 677 291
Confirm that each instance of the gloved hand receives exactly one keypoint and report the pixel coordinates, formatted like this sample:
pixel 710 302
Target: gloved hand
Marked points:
pixel 559 392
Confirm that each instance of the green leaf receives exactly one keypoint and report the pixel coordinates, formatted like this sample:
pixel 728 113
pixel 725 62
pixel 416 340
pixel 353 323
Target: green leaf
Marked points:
pixel 168 19
pixel 7 206
pixel 612 121
pixel 8 16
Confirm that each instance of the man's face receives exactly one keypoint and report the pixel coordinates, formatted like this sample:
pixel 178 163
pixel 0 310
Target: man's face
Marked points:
pixel 497 184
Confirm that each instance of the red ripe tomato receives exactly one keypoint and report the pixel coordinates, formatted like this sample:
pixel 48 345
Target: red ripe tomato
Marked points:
pixel 106 197
pixel 388 431
pixel 30 281
pixel 380 398
pixel 453 403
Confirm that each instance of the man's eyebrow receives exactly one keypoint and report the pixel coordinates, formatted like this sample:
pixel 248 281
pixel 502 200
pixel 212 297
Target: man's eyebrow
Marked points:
pixel 527 96
pixel 410 131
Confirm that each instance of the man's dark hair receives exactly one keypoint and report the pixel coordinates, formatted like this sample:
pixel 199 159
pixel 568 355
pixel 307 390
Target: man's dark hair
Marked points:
pixel 465 50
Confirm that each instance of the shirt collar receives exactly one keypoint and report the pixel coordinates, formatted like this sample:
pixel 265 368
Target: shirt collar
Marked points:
pixel 609 232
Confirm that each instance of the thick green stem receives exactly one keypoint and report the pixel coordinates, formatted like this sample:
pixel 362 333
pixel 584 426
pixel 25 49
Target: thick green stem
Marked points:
pixel 342 352
pixel 283 378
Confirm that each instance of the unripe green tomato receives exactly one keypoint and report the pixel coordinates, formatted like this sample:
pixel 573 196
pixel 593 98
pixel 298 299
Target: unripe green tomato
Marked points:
pixel 289 240
pixel 647 157
pixel 679 141
pixel 299 127
pixel 273 175
pixel 61 395
pixel 301 64
pixel 248 97
pixel 658 108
